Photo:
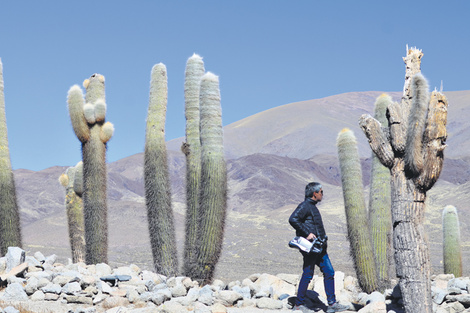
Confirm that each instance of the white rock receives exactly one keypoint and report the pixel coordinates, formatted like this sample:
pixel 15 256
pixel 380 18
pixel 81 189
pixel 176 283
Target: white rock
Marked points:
pixel 292 279
pixel 206 295
pixel 217 284
pixel 38 296
pixel 374 307
pixel 51 259
pixel 375 297
pixel 218 308
pixel 32 285
pixel 103 269
pixel 270 304
pixel 40 257
pixel 14 257
pixel 52 288
pixel 227 297
pixel 179 290
pixel 104 287
pixel 10 309
pixel 71 288
pixel 14 292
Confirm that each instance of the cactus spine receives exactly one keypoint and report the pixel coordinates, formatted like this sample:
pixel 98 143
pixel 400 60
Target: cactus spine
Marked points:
pixel 88 121
pixel 452 250
pixel 156 176
pixel 213 194
pixel 192 150
pixel 380 216
pixel 74 208
pixel 356 214
pixel 10 228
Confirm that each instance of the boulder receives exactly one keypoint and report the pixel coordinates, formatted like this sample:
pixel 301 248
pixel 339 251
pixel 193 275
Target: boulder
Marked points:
pixel 227 297
pixel 14 257
pixel 14 292
pixel 206 295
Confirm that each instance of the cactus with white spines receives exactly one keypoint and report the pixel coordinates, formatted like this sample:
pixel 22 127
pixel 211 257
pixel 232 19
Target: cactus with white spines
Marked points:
pixel 157 179
pixel 380 215
pixel 192 151
pixel 213 190
pixel 10 228
pixel 452 243
pixel 88 122
pixel 71 180
pixel 356 212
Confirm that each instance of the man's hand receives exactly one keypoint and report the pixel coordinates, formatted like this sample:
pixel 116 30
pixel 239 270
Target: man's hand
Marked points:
pixel 311 237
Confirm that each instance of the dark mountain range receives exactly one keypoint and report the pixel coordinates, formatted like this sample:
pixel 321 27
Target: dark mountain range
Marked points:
pixel 271 156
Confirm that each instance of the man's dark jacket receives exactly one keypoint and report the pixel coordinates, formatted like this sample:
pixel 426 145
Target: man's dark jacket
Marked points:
pixel 306 219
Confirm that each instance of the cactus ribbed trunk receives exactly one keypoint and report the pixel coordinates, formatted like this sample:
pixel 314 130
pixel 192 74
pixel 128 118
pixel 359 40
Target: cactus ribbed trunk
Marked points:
pixel 94 197
pixel 452 244
pixel 192 150
pixel 88 121
pixel 10 228
pixel 412 147
pixel 380 215
pixel 157 179
pixel 213 192
pixel 356 213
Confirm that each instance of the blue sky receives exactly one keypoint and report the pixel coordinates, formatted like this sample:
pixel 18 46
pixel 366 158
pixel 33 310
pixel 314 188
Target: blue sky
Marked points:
pixel 266 52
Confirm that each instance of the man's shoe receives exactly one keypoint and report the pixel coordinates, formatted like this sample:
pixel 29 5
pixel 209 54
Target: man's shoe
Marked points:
pixel 337 307
pixel 301 308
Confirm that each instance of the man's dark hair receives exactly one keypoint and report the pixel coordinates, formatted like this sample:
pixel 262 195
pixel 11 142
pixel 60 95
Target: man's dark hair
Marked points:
pixel 311 188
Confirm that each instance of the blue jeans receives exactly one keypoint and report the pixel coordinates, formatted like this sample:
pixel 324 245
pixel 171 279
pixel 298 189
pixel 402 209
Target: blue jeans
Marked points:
pixel 324 263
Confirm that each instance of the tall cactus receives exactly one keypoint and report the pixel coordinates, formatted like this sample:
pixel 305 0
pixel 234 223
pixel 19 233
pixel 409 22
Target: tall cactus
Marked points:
pixel 412 147
pixel 380 215
pixel 356 213
pixel 213 194
pixel 192 150
pixel 88 122
pixel 157 179
pixel 452 244
pixel 10 228
pixel 72 180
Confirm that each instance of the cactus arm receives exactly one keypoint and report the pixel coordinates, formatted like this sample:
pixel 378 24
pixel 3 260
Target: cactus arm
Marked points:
pixel 380 216
pixel 416 123
pixel 100 110
pixel 78 179
pixel 378 139
pixel 356 213
pixel 76 103
pixel 434 140
pixel 107 132
pixel 397 131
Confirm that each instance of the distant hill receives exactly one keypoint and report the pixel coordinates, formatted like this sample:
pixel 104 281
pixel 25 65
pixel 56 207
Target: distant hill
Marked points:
pixel 308 128
pixel 271 156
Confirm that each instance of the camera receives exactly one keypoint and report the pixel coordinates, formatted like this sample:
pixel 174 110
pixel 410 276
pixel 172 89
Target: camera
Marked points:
pixel 318 244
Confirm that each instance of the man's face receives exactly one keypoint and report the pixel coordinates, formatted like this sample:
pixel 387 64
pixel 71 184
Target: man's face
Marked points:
pixel 318 196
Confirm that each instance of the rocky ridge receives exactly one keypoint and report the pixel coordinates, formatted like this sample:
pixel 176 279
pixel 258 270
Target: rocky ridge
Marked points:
pixel 41 284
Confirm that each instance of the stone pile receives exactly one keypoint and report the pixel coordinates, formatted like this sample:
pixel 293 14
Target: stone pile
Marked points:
pixel 41 284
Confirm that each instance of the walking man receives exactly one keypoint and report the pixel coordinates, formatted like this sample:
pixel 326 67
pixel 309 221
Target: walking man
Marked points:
pixel 307 221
